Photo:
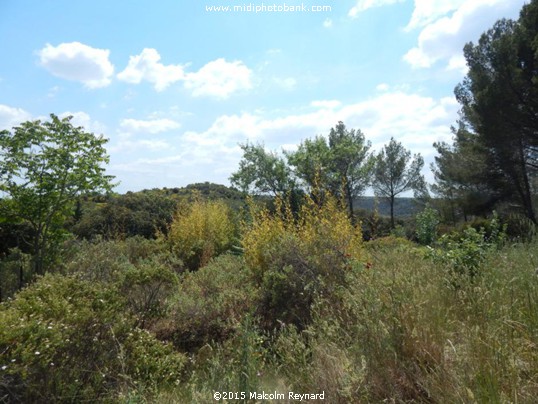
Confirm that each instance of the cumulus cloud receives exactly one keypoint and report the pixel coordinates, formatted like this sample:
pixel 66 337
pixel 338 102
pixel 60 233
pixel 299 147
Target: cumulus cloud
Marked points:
pixel 219 79
pixel 212 154
pixel 448 25
pixel 327 23
pixel 151 126
pixel 81 118
pixel 428 11
pixel 363 5
pixel 78 62
pixel 10 117
pixel 147 67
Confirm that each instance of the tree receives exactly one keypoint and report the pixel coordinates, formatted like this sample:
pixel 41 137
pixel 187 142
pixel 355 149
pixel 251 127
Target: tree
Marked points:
pixel 461 177
pixel 44 167
pixel 499 99
pixel 340 164
pixel 262 171
pixel 395 172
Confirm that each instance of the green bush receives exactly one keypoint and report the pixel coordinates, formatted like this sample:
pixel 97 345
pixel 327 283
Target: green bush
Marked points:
pixel 65 339
pixel 426 225
pixel 464 252
pixel 142 270
pixel 209 304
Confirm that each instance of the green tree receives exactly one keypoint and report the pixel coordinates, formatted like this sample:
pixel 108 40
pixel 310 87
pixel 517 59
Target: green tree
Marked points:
pixel 395 172
pixel 261 171
pixel 499 99
pixel 461 177
pixel 340 164
pixel 44 166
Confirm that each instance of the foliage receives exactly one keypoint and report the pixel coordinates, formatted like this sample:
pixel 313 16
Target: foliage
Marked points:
pixel 141 270
pixel 133 214
pixel 426 225
pixel 44 167
pixel 340 164
pixel 64 339
pixel 261 171
pixel 209 304
pixel 464 253
pixel 200 231
pixel 295 260
pixel 460 172
pixel 234 366
pixel 14 266
pixel 498 117
pixel 395 173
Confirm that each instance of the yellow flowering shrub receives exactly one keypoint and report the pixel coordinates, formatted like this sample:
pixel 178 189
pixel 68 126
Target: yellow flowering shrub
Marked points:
pixel 201 231
pixel 296 259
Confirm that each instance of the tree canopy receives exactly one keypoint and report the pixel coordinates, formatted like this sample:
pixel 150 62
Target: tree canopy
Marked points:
pixel 44 166
pixel 499 114
pixel 395 172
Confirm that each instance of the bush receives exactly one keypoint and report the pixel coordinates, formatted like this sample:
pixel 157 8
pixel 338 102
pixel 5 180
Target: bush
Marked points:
pixel 295 260
pixel 65 339
pixel 464 252
pixel 200 231
pixel 140 269
pixel 209 304
pixel 426 225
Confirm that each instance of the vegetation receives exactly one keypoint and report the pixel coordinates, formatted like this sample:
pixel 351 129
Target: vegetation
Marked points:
pixel 172 295
pixel 496 135
pixel 395 173
pixel 44 167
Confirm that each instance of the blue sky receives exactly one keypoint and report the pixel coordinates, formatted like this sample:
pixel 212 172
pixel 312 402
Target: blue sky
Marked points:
pixel 176 87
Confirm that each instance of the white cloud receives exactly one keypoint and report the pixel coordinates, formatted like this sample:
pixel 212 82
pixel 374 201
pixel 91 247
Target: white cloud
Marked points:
pixel 151 126
pixel 458 62
pixel 10 117
pixel 328 23
pixel 427 11
pixel 124 144
pixel 78 62
pixel 416 120
pixel 81 118
pixel 448 26
pixel 212 154
pixel 219 79
pixel 363 5
pixel 147 66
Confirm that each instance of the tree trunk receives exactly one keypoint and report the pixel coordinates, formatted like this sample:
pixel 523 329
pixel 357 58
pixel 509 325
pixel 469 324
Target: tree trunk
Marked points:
pixel 350 204
pixel 392 211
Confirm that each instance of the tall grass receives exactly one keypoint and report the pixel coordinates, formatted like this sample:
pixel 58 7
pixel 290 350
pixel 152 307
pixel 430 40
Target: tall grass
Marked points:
pixel 403 334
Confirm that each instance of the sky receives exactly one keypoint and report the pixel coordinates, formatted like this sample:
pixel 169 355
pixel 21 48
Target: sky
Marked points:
pixel 176 86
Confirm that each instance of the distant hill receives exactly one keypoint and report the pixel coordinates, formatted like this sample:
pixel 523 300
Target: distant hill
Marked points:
pixel 402 206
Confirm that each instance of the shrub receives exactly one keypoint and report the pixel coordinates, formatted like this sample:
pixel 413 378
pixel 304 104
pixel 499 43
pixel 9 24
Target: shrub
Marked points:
pixel 65 339
pixel 209 304
pixel 426 225
pixel 200 231
pixel 140 269
pixel 295 260
pixel 464 252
